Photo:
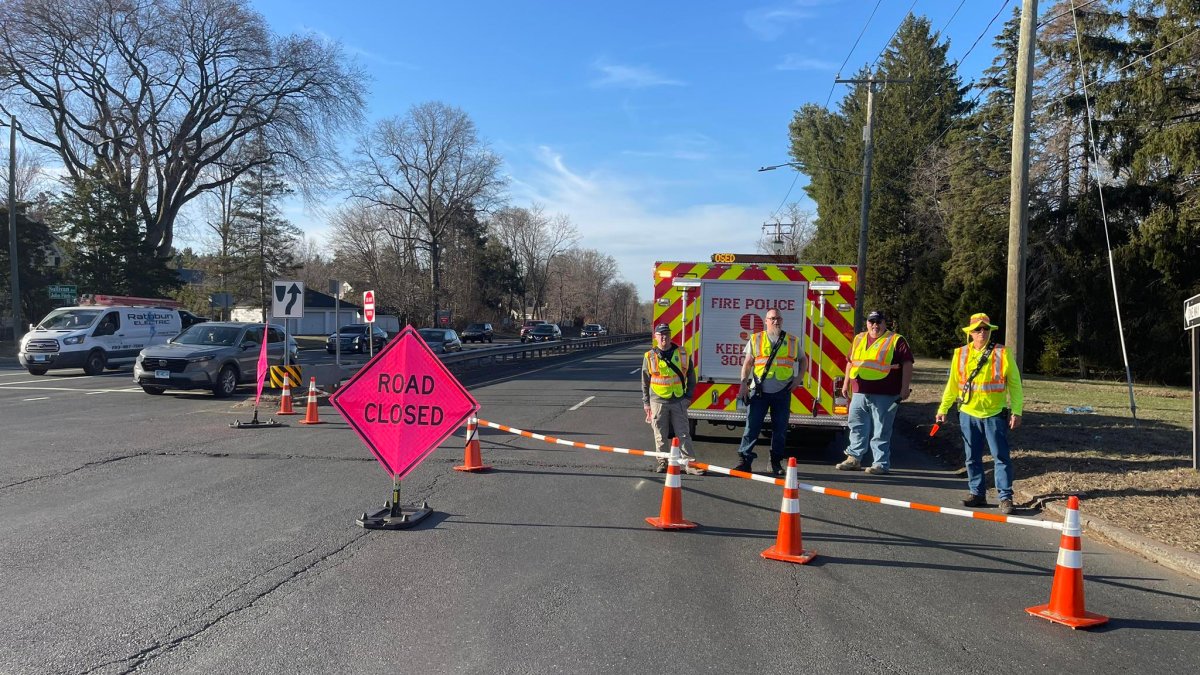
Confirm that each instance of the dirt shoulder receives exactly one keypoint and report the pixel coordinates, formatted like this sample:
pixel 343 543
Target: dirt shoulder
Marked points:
pixel 1078 437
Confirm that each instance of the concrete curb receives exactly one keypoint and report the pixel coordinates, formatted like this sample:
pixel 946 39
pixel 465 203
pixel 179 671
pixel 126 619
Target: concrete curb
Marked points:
pixel 1171 557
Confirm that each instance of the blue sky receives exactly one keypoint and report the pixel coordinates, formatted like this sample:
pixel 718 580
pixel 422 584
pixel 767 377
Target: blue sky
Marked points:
pixel 645 122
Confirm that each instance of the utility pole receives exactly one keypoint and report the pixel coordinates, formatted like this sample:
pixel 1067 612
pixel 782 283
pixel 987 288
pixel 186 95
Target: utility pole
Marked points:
pixel 1018 194
pixel 778 231
pixel 865 207
pixel 14 268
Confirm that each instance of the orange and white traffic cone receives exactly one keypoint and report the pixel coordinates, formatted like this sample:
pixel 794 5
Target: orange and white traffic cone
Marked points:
pixel 670 514
pixel 310 415
pixel 1066 595
pixel 471 460
pixel 788 546
pixel 285 400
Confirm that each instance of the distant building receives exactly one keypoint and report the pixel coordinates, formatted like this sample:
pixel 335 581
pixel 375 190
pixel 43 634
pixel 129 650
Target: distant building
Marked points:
pixel 319 317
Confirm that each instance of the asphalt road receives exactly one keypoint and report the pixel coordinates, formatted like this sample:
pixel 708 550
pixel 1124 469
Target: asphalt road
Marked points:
pixel 143 534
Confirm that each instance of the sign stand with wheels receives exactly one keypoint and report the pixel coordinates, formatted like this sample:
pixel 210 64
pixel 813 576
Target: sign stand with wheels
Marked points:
pixel 403 403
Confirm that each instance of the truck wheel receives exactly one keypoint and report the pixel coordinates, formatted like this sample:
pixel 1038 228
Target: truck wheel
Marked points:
pixel 36 370
pixel 153 391
pixel 94 365
pixel 226 383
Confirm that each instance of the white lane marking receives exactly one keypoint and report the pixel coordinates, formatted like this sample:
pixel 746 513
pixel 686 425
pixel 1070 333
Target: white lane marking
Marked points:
pixel 579 405
pixel 71 391
pixel 39 398
pixel 635 371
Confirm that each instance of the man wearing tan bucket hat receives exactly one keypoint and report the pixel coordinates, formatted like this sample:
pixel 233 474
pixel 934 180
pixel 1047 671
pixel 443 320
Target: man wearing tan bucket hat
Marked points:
pixel 987 386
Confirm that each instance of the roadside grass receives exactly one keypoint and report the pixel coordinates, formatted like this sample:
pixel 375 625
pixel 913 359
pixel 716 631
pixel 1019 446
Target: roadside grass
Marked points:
pixel 1136 475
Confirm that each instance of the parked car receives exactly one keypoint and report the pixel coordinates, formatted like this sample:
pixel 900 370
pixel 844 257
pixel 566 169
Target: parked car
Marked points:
pixel 354 338
pixel 593 330
pixel 545 333
pixel 528 327
pixel 441 340
pixel 216 355
pixel 478 332
pixel 186 318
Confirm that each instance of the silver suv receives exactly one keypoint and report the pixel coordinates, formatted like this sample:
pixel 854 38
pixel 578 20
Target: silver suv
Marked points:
pixel 216 355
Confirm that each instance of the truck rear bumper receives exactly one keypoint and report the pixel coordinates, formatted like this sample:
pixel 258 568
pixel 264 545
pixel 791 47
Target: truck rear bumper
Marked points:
pixel 722 416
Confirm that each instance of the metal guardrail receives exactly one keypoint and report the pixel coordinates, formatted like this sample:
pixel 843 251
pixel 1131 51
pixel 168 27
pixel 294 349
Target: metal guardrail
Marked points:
pixel 475 357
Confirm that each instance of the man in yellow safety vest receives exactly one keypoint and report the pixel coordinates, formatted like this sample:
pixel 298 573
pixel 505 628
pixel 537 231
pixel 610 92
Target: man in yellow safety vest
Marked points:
pixel 772 364
pixel 668 381
pixel 879 377
pixel 984 381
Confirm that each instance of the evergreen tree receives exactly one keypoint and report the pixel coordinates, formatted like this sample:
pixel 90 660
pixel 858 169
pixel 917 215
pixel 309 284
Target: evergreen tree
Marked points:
pixel 263 241
pixel 104 244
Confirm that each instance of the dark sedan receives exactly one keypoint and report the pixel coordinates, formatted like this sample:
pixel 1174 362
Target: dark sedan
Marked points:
pixel 354 338
pixel 545 333
pixel 441 340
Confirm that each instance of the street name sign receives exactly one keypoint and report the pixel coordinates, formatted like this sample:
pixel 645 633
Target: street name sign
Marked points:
pixel 61 291
pixel 404 403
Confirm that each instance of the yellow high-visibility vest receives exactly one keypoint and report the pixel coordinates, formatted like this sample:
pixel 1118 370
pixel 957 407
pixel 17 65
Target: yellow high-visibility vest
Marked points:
pixel 873 361
pixel 663 381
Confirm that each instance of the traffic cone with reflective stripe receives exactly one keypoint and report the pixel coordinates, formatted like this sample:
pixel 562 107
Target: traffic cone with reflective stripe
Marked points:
pixel 788 546
pixel 1066 595
pixel 285 399
pixel 310 415
pixel 471 460
pixel 670 514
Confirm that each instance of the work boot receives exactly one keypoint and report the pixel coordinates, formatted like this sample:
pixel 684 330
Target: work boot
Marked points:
pixel 875 470
pixel 660 465
pixel 848 464
pixel 776 467
pixel 744 463
pixel 692 470
pixel 973 499
pixel 1006 506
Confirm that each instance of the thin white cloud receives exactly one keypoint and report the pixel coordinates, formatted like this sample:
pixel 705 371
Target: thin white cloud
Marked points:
pixel 771 21
pixel 623 216
pixel 688 147
pixel 799 62
pixel 620 76
pixel 364 54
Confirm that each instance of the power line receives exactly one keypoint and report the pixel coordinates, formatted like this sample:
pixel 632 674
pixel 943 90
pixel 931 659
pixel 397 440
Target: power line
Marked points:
pixel 852 48
pixel 893 37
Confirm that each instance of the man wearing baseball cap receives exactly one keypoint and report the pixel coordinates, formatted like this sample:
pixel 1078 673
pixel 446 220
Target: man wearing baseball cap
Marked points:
pixel 985 383
pixel 668 381
pixel 879 377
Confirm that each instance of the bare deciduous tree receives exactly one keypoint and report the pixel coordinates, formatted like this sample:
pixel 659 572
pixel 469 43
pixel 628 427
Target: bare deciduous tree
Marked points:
pixel 535 239
pixel 160 93
pixel 429 169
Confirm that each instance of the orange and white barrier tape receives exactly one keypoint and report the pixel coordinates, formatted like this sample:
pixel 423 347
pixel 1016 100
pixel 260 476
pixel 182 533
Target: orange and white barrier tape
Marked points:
pixel 575 444
pixel 832 492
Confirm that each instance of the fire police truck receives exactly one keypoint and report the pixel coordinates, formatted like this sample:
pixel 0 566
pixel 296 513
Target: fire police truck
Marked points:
pixel 714 307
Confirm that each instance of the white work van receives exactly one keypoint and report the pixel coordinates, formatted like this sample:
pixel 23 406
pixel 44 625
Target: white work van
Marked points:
pixel 101 332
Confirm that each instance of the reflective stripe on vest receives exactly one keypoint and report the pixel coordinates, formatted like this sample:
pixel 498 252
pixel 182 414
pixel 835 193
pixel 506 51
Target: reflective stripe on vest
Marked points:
pixel 785 359
pixel 663 381
pixel 874 361
pixel 990 379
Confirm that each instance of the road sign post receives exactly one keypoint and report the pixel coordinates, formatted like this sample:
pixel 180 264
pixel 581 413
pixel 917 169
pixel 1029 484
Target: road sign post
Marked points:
pixel 1191 322
pixel 403 403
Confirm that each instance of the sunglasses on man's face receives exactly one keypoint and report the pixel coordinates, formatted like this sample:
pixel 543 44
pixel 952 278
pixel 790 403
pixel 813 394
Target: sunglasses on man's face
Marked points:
pixel 981 329
pixel 774 318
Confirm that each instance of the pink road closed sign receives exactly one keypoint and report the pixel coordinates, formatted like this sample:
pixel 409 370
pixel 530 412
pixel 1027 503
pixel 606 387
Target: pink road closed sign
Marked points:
pixel 403 403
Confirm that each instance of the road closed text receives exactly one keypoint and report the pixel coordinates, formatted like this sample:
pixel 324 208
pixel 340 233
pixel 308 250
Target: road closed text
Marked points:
pixel 408 414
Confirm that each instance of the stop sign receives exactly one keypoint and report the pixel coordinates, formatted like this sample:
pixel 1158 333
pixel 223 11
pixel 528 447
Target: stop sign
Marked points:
pixel 369 306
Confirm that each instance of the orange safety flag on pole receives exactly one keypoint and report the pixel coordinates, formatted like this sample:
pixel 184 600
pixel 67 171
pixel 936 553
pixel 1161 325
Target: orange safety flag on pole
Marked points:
pixel 262 365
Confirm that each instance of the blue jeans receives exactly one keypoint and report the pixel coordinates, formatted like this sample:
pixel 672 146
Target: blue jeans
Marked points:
pixel 780 405
pixel 871 418
pixel 993 431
